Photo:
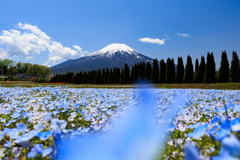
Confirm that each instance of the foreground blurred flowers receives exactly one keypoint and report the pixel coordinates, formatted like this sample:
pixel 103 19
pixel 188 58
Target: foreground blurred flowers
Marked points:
pixel 202 124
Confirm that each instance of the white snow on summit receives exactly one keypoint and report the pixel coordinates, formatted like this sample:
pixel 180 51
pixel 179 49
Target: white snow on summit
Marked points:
pixel 113 48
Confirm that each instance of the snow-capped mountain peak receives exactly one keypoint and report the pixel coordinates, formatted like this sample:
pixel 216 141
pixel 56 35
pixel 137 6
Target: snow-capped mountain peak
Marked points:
pixel 111 49
pixel 113 55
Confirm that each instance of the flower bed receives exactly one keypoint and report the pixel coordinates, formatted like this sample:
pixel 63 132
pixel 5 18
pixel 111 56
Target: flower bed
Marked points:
pixel 32 119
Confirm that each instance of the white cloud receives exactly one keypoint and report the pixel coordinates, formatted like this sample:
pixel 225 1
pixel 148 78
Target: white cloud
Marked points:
pixel 77 48
pixel 86 52
pixel 184 35
pixel 27 40
pixel 153 40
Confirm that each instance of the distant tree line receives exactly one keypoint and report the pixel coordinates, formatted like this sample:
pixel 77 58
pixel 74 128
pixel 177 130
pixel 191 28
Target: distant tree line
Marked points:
pixel 164 72
pixel 11 68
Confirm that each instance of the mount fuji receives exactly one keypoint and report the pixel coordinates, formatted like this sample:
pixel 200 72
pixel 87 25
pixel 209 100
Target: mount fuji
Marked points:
pixel 113 55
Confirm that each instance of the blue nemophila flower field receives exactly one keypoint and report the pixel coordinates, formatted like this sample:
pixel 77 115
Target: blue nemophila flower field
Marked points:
pixel 36 123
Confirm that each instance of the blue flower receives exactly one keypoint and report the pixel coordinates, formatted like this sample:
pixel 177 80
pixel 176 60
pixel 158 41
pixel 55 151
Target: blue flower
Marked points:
pixel 191 152
pixel 225 129
pixel 38 150
pixel 2 135
pixel 235 124
pixel 215 120
pixel 198 132
pixel 44 135
pixel 58 124
pixel 21 127
pixel 8 144
pixel 57 133
pixel 232 145
pixel 48 117
pixel 26 136
pixel 224 155
pixel 39 127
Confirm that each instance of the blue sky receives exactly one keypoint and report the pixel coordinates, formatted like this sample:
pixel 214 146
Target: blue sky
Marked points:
pixel 45 32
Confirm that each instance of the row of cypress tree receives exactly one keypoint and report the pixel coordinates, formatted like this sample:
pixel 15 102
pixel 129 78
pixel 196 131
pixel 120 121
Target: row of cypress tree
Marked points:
pixel 165 73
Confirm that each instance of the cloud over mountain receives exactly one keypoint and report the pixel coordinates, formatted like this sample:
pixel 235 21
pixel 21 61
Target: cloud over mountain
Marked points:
pixel 27 40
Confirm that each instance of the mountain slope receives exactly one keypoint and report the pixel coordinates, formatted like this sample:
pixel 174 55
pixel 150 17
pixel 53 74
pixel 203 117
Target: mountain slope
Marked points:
pixel 113 55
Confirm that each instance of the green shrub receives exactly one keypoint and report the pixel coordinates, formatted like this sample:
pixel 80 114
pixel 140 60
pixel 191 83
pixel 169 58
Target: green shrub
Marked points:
pixel 41 79
pixel 15 79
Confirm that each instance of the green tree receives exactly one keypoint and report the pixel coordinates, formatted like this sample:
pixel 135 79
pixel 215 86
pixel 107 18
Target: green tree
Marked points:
pixel 223 73
pixel 196 66
pixel 143 73
pixel 235 71
pixel 19 66
pixel 148 71
pixel 162 72
pixel 180 71
pixel 155 71
pixel 6 64
pixel 34 70
pixel 136 72
pixel 114 76
pixel 12 71
pixel 102 76
pixel 106 76
pixel 121 76
pixel 188 77
pixel 45 71
pixel 210 69
pixel 25 67
pixel 110 76
pixel 168 71
pixel 131 76
pixel 173 71
pixel 199 76
pixel 126 74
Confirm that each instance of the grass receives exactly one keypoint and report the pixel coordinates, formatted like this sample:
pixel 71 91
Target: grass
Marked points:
pixel 224 86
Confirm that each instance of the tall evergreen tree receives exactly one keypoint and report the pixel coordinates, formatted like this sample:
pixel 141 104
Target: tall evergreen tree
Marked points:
pixel 155 71
pixel 162 72
pixel 92 76
pixel 117 75
pixel 126 74
pixel 140 71
pixel 80 77
pixel 168 71
pixel 121 76
pixel 110 76
pixel 85 77
pixel 188 77
pixel 114 77
pixel 213 69
pixel 148 71
pixel 102 76
pixel 136 75
pixel 99 76
pixel 223 73
pixel 106 76
pixel 173 71
pixel 88 77
pixel 199 76
pixel 143 71
pixel 180 71
pixel 210 69
pixel 235 70
pixel 207 76
pixel 196 66
pixel 131 76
